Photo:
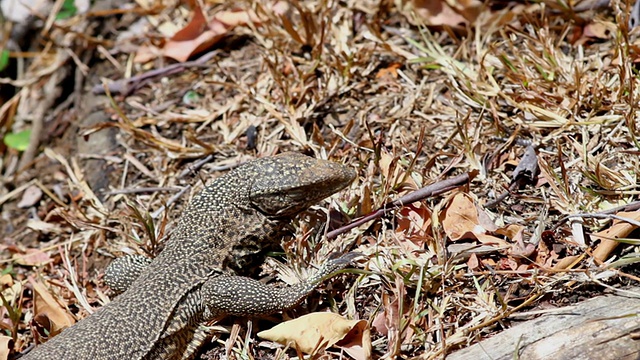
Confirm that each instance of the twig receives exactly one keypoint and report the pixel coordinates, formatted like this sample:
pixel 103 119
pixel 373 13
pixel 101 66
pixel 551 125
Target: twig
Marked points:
pixel 127 86
pixel 606 216
pixel 175 197
pixel 525 173
pixel 493 203
pixel 16 191
pixel 142 190
pixel 634 206
pixel 197 165
pixel 418 195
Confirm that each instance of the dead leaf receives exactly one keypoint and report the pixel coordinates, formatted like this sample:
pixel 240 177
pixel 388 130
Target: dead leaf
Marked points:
pixel 387 319
pixel 619 229
pixel 146 53
pixel 393 321
pixel 194 38
pixel 507 264
pixel 315 332
pixel 357 342
pixel 200 34
pixel 461 222
pixel 460 218
pixel 44 227
pixel 450 13
pixel 511 231
pixel 6 280
pixel 30 197
pixel 390 169
pixel 32 257
pixel 521 249
pixel 12 291
pixel 599 30
pixel 390 71
pixel 6 344
pixel 46 307
pixel 473 263
pixel 414 221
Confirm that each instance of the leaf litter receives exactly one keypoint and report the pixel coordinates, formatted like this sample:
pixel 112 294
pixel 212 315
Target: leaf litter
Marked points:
pixel 436 104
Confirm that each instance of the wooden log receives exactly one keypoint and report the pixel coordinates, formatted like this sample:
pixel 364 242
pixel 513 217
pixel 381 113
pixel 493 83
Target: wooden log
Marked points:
pixel 605 327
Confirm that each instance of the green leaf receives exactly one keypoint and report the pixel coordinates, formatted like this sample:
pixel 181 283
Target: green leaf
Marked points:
pixel 191 97
pixel 68 10
pixel 18 141
pixel 4 59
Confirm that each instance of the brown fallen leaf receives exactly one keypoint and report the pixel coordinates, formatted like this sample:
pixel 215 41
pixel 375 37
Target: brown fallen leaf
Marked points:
pixel 315 332
pixel 461 221
pixel 200 34
pixel 44 227
pixel 473 263
pixel 6 280
pixel 30 197
pixel 602 30
pixel 454 13
pixel 47 308
pixel 194 38
pixel 6 344
pixel 391 170
pixel 32 257
pixel 414 220
pixel 386 321
pixel 619 229
pixel 390 71
pixel 357 342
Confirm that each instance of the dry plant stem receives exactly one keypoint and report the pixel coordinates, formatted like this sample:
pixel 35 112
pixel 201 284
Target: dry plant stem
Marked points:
pixel 127 86
pixel 171 201
pixel 418 195
pixel 499 199
pixel 607 216
pixel 603 214
pixel 507 313
pixel 142 190
pixel 195 166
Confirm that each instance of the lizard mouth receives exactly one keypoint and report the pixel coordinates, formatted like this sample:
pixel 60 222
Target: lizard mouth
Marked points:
pixel 302 191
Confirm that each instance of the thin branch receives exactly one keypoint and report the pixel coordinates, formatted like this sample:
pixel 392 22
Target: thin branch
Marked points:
pixel 129 85
pixel 428 191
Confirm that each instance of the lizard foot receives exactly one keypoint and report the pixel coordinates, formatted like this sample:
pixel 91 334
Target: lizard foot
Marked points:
pixel 123 271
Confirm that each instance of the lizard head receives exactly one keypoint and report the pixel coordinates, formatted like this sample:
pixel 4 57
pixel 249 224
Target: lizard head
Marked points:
pixel 287 184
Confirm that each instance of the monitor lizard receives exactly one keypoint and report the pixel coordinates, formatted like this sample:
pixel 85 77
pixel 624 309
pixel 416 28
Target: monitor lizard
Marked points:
pixel 222 232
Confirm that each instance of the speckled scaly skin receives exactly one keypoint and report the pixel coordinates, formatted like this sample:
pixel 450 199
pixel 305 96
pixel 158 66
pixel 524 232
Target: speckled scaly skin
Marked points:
pixel 222 232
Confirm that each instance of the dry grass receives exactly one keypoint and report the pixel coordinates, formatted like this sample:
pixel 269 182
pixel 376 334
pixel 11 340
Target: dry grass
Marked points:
pixel 406 106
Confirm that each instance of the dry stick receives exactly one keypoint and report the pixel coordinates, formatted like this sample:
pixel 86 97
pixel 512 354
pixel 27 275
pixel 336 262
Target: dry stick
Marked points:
pixel 142 190
pixel 173 199
pixel 420 194
pixel 633 206
pixel 193 168
pixel 129 85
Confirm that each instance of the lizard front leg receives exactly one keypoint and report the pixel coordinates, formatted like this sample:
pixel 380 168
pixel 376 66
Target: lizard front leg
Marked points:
pixel 232 295
pixel 243 296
